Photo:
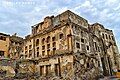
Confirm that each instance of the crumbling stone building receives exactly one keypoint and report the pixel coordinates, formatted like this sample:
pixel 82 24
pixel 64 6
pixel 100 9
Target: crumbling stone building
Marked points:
pixel 109 55
pixel 68 47
pixel 63 47
pixel 10 46
pixel 15 48
pixel 4 44
pixel 10 50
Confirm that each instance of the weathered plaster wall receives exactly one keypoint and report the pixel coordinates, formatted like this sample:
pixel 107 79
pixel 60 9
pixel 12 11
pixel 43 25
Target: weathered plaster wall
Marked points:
pixel 4 45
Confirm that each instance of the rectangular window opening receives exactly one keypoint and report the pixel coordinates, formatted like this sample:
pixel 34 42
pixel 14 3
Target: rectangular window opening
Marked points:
pixel 78 45
pixel 82 40
pixel 87 47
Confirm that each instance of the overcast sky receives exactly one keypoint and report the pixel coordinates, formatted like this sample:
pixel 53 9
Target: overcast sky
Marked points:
pixel 17 16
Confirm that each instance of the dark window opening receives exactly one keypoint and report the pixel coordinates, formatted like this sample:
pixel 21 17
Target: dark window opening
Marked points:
pixel 26 48
pixel 98 49
pixel 48 52
pixel 57 70
pixel 37 54
pixel 61 36
pixel 75 27
pixel 30 51
pixel 30 46
pixel 87 47
pixel 54 50
pixel 25 56
pixel 37 48
pixel 48 46
pixel 37 42
pixel 78 45
pixel 109 37
pixel 41 70
pixel 106 36
pixel 21 56
pixel 43 47
pixel 20 43
pixel 43 40
pixel 82 33
pixel 25 52
pixel 12 42
pixel 48 39
pixel 53 38
pixel 112 38
pixel 95 45
pixel 103 36
pixel 54 44
pixel 82 40
pixel 48 69
pixel 88 65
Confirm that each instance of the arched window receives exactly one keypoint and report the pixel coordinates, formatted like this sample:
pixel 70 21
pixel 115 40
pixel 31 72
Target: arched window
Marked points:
pixel 37 42
pixel 37 49
pixel 37 54
pixel 48 39
pixel 61 36
pixel 53 38
pixel 43 40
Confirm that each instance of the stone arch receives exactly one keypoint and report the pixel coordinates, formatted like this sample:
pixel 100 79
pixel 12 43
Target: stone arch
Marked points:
pixel 37 42
pixel 43 41
pixel 48 39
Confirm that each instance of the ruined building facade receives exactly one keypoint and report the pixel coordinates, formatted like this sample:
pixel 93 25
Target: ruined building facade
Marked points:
pixel 4 43
pixel 10 46
pixel 68 47
pixel 63 47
